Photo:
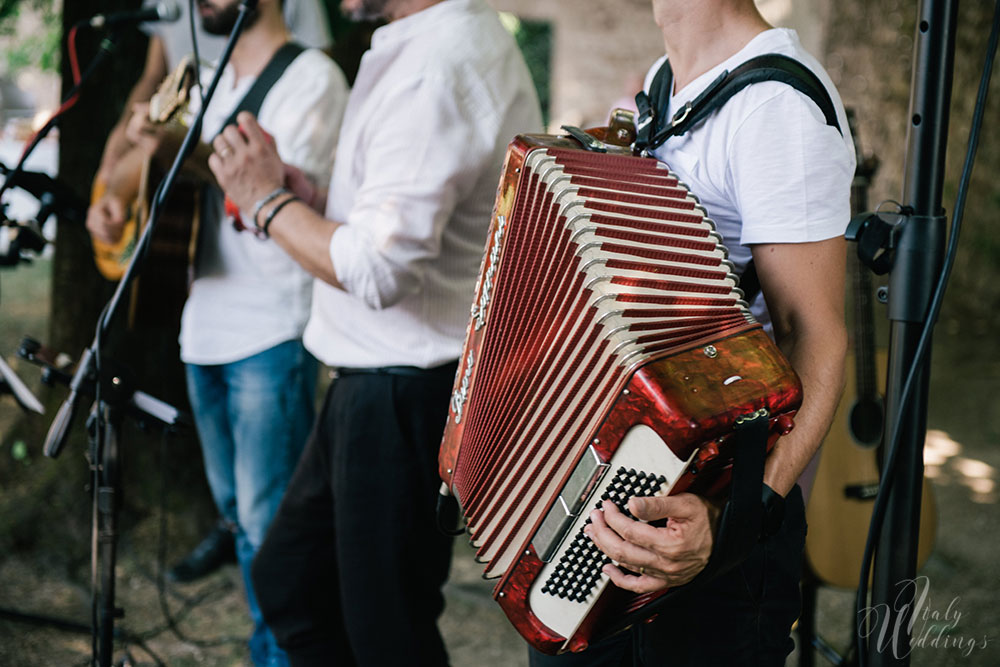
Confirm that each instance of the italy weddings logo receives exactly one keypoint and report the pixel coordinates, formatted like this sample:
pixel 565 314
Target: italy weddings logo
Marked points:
pixel 913 622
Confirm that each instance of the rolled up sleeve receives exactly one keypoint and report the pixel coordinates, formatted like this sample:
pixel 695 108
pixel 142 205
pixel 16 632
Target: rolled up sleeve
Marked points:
pixel 415 170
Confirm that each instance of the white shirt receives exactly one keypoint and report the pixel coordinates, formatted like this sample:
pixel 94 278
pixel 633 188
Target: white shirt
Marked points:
pixel 766 166
pixel 249 295
pixel 437 99
pixel 306 20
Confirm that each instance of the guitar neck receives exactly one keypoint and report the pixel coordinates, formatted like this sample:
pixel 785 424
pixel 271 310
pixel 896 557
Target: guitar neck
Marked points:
pixel 864 320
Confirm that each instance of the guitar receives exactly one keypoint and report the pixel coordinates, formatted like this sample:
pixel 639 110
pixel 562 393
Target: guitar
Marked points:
pixel 847 479
pixel 158 295
pixel 173 240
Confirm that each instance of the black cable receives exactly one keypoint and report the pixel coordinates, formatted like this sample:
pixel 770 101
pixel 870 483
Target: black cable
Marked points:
pixel 885 485
pixel 95 483
pixel 172 621
pixel 134 640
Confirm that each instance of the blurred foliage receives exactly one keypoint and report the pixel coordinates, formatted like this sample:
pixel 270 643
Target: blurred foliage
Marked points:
pixel 39 49
pixel 534 38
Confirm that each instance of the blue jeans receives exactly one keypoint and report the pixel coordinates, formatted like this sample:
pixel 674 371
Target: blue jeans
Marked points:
pixel 253 417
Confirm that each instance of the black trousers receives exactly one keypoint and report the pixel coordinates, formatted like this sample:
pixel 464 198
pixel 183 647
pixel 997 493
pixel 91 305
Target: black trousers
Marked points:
pixel 742 618
pixel 352 566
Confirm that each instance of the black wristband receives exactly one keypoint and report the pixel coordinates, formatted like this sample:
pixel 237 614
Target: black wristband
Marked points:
pixel 772 512
pixel 273 212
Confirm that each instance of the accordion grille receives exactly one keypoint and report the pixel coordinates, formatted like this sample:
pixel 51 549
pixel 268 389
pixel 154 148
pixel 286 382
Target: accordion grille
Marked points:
pixel 600 264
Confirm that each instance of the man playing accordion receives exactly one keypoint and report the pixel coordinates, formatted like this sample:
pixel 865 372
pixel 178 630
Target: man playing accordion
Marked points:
pixel 775 178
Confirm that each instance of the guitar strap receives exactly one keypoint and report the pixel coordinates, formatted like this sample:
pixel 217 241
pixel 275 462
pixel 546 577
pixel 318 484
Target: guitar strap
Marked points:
pixel 279 62
pixel 654 128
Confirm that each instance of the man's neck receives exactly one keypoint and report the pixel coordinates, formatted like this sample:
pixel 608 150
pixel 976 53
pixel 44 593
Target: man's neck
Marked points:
pixel 257 44
pixel 402 8
pixel 700 35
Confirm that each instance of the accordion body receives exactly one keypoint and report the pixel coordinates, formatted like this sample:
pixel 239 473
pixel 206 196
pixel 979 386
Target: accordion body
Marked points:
pixel 609 355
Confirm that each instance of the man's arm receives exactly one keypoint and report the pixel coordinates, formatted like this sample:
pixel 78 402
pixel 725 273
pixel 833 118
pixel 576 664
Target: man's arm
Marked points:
pixel 405 198
pixel 106 215
pixel 803 284
pixel 153 73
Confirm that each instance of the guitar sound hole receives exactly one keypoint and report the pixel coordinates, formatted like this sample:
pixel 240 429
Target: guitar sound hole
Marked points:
pixel 865 422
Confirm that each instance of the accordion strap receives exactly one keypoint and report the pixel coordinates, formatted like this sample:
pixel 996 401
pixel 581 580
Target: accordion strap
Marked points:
pixel 654 128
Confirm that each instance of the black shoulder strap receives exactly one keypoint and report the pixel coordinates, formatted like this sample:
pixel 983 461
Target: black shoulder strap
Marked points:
pixel 652 106
pixel 656 129
pixel 279 62
pixel 653 128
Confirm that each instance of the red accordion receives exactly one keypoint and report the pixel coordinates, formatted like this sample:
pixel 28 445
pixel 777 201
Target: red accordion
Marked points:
pixel 609 355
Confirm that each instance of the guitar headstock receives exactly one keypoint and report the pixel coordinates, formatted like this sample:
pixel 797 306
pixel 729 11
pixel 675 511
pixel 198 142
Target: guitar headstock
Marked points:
pixel 174 93
pixel 866 165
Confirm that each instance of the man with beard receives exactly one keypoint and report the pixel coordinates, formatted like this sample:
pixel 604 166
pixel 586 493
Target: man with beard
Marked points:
pixel 250 381
pixel 170 41
pixel 352 567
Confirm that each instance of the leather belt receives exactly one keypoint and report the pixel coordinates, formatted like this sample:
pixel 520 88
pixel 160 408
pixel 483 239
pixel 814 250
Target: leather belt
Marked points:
pixel 405 371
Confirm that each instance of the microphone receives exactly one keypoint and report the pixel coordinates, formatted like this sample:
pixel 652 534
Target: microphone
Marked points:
pixel 58 197
pixel 162 11
pixel 56 437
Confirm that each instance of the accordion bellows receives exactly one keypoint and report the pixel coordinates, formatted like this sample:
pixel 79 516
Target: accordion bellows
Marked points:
pixel 608 355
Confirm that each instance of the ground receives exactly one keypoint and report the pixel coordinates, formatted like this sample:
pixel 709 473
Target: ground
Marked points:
pixel 209 618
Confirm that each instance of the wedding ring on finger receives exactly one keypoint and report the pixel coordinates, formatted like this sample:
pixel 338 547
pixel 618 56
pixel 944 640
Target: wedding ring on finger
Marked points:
pixel 222 147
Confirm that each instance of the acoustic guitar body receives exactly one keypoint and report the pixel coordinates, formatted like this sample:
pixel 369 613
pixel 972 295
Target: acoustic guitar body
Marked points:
pixel 112 258
pixel 843 495
pixel 158 294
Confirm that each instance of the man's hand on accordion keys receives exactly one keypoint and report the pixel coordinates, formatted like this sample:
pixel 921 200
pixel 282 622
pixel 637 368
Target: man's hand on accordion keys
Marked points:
pixel 660 556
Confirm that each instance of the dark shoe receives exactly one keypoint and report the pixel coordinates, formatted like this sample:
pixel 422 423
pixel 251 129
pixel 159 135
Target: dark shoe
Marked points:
pixel 217 549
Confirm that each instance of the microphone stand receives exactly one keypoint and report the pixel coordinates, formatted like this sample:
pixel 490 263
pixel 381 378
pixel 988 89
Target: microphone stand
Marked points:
pixel 917 244
pixel 105 426
pixel 146 409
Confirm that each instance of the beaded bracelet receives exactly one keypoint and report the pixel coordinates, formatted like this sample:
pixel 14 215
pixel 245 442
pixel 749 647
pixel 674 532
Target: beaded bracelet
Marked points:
pixel 264 201
pixel 273 212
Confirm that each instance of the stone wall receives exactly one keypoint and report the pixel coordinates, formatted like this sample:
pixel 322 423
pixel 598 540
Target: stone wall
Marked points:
pixel 600 47
pixel 601 50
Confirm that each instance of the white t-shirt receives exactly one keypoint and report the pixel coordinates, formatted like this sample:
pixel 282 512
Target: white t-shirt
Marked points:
pixel 437 99
pixel 306 20
pixel 248 294
pixel 766 166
